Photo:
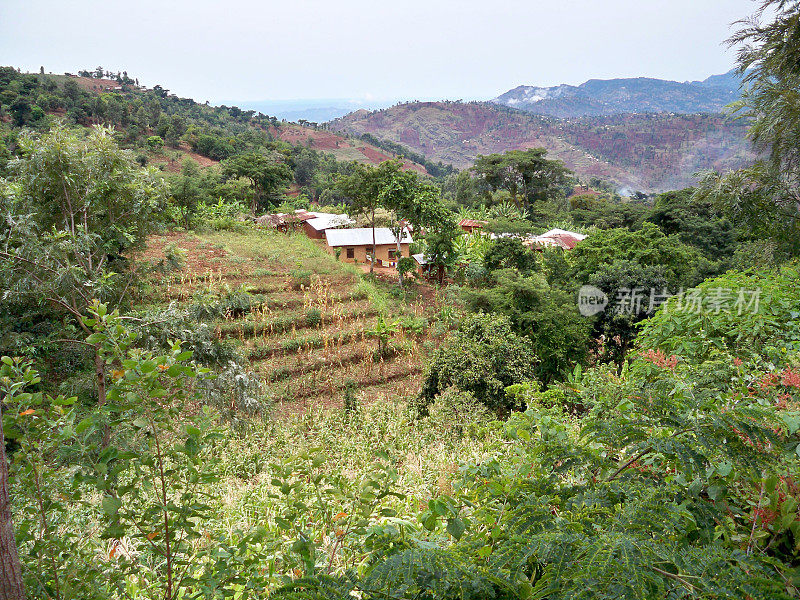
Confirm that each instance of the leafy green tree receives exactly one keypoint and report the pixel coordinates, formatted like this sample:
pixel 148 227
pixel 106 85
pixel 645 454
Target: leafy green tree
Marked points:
pixel 155 143
pixel 695 222
pixel 72 209
pixel 648 246
pixel 11 583
pixel 636 270
pixel 187 191
pixel 267 174
pixel 415 204
pixel 483 356
pixel 548 317
pixel 526 174
pixel 441 244
pixel 509 253
pixel 362 188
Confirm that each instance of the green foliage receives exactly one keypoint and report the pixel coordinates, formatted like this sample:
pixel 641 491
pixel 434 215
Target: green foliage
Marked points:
pixel 546 316
pixel 266 174
pixel 526 174
pixel 482 357
pixel 72 210
pixel 155 143
pixel 646 247
pixel 509 253
pixel 187 192
pixel 757 316
pixel 383 332
pixel 696 223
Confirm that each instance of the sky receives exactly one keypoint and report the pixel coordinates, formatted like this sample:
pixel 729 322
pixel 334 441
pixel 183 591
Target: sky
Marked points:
pixel 373 51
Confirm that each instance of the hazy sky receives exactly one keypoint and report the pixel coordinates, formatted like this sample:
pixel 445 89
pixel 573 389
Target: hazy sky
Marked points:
pixel 411 49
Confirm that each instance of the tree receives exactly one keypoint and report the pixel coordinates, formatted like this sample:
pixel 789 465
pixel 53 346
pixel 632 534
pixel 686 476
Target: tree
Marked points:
pixel 187 191
pixel 647 247
pixel 549 318
pixel 11 585
pixel 399 192
pixel 509 253
pixel 484 356
pixel 697 223
pixel 526 174
pixel 72 209
pixel 362 188
pixel 155 143
pixel 267 174
pixel 441 237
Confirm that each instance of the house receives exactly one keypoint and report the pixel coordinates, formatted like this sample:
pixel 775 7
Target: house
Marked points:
pixel 355 245
pixel 423 266
pixel 555 238
pixel 284 221
pixel 315 227
pixel 470 225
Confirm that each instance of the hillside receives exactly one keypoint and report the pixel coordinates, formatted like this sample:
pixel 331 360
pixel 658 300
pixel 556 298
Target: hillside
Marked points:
pixel 598 97
pixel 300 317
pixel 647 152
pixel 204 133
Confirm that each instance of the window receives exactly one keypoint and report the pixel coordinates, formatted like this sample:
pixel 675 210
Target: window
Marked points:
pixel 392 254
pixel 351 253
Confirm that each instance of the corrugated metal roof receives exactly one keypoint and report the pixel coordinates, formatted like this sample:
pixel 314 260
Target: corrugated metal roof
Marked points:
pixel 362 236
pixel 322 221
pixel 555 232
pixel 472 223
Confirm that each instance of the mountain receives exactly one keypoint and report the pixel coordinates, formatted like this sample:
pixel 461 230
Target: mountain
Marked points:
pixel 315 110
pixel 646 152
pixel 180 127
pixel 598 97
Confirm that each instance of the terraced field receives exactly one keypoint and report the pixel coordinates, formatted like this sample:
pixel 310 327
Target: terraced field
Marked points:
pixel 306 322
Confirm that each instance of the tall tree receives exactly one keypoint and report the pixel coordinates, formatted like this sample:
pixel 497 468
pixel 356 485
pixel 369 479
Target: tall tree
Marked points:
pixel 11 587
pixel 362 189
pixel 266 174
pixel 72 209
pixel 187 191
pixel 526 174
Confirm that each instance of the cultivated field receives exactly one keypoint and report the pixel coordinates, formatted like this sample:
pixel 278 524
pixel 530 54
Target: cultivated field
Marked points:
pixel 308 324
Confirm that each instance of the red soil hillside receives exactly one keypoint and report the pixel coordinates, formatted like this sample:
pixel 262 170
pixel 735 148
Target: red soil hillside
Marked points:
pixel 343 148
pixel 96 85
pixel 647 152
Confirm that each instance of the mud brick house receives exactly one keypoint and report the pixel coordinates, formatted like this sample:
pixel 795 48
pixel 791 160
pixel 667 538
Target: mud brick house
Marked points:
pixel 355 245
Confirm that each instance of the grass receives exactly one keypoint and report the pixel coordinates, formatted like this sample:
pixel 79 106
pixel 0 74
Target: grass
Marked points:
pixel 307 324
pixel 426 458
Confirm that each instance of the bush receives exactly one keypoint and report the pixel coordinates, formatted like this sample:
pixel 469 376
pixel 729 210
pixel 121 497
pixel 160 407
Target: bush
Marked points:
pixel 313 317
pixel 453 411
pixel 482 357
pixel 299 278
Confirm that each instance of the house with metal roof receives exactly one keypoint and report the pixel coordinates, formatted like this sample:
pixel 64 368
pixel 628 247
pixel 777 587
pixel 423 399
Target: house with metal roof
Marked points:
pixel 355 245
pixel 471 225
pixel 555 238
pixel 316 226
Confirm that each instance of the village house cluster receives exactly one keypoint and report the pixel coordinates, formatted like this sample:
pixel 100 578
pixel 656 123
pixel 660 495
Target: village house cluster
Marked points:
pixel 355 244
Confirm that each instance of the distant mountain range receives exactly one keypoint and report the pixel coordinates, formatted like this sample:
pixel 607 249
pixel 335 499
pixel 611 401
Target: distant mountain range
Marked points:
pixel 314 110
pixel 598 97
pixel 638 152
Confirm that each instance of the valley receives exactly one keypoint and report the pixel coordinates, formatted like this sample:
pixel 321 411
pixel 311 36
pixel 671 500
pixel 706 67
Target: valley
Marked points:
pixel 636 152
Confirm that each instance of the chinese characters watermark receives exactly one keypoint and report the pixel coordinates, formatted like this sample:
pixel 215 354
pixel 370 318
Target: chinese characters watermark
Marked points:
pixel 641 300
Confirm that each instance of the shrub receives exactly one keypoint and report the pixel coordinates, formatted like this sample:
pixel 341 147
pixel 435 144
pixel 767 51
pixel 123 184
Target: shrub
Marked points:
pixel 313 317
pixel 453 411
pixel 299 278
pixel 483 356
